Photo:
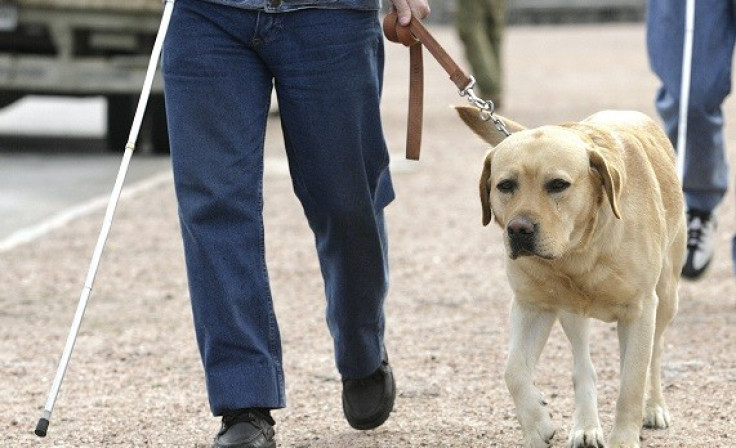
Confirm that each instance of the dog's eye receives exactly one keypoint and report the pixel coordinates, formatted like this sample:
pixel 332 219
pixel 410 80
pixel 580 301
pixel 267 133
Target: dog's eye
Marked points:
pixel 506 186
pixel 557 185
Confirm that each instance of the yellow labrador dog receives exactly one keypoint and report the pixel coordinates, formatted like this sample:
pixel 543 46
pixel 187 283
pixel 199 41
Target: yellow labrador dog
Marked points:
pixel 593 222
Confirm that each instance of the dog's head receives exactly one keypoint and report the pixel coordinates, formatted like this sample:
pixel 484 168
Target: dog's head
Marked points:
pixel 546 186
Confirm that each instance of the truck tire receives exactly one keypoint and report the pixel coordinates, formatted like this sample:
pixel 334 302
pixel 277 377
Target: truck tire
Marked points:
pixel 158 129
pixel 9 97
pixel 153 134
pixel 120 110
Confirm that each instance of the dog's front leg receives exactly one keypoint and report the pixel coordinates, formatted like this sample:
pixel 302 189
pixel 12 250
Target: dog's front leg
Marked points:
pixel 529 332
pixel 656 415
pixel 636 336
pixel 587 431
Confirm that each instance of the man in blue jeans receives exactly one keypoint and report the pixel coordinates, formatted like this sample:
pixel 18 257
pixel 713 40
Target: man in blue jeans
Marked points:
pixel 325 58
pixel 706 170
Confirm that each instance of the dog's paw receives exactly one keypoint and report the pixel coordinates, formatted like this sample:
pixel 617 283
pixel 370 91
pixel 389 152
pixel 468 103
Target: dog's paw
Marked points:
pixel 656 416
pixel 624 439
pixel 541 435
pixel 539 442
pixel 587 438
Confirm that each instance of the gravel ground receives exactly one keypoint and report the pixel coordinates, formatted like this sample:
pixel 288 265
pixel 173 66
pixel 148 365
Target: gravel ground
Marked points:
pixel 135 378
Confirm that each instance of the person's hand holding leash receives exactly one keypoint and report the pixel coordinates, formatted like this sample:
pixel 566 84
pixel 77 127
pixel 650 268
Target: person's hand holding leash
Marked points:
pixel 407 8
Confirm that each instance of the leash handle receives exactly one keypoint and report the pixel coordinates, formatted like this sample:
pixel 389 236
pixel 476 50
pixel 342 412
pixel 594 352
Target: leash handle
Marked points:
pixel 414 33
pixel 404 34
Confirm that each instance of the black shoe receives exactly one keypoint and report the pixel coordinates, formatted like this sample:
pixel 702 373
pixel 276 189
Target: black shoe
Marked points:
pixel 367 402
pixel 701 242
pixel 246 428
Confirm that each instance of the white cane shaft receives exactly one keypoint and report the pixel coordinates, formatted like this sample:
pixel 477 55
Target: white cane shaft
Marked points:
pixel 107 223
pixel 687 62
pixel 89 281
pixel 66 355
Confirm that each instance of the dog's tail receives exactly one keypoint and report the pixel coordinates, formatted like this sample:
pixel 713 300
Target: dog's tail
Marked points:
pixel 486 129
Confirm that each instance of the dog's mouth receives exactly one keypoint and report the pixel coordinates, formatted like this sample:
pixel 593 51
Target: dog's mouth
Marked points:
pixel 525 253
pixel 523 247
pixel 514 254
pixel 521 253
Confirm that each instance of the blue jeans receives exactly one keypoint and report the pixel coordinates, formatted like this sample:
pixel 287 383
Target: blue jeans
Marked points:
pixel 706 171
pixel 219 65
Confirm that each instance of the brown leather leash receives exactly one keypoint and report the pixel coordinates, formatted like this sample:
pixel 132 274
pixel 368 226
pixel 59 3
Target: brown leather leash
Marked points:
pixel 414 36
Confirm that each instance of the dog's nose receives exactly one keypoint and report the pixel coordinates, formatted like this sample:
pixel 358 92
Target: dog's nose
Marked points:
pixel 518 227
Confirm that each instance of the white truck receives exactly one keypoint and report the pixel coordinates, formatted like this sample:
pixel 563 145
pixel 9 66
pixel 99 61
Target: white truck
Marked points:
pixel 85 48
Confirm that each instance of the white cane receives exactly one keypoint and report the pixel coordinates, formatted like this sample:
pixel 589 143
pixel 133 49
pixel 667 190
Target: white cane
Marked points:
pixel 43 423
pixel 687 63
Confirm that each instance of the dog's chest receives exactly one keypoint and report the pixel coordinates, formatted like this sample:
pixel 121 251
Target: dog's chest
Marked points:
pixel 601 294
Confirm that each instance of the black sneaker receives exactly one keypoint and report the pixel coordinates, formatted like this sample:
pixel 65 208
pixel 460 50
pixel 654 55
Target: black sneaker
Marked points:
pixel 246 428
pixel 367 402
pixel 701 241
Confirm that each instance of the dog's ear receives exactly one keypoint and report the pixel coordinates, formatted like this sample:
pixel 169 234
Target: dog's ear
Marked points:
pixel 485 189
pixel 611 174
pixel 486 129
pixel 605 158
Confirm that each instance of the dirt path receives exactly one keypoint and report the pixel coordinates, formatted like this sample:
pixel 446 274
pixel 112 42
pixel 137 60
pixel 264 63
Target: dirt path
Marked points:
pixel 135 378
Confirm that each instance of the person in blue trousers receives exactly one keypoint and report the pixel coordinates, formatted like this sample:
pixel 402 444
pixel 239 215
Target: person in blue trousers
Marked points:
pixel 325 58
pixel 706 171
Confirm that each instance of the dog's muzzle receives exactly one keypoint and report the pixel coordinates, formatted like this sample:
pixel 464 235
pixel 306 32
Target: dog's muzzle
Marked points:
pixel 522 235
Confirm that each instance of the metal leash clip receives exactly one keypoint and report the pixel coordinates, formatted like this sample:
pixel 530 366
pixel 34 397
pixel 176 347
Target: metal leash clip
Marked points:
pixel 486 107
